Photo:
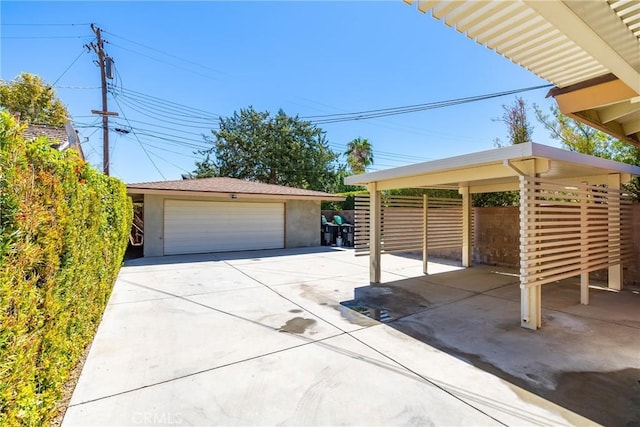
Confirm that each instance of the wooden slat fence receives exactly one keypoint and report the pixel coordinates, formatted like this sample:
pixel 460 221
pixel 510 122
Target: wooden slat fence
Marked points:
pixel 568 229
pixel 402 223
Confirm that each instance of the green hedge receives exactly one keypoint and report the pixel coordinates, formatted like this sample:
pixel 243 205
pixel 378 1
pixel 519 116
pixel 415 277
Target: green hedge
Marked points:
pixel 63 232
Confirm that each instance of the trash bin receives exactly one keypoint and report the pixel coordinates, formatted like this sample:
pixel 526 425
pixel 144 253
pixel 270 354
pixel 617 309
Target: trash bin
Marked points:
pixel 329 234
pixel 347 232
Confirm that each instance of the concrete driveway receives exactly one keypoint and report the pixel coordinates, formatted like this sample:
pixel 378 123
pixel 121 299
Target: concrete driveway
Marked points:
pixel 260 338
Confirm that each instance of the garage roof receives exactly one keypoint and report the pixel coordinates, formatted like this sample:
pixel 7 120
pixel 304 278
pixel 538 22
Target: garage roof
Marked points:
pixel 588 49
pixel 499 170
pixel 226 187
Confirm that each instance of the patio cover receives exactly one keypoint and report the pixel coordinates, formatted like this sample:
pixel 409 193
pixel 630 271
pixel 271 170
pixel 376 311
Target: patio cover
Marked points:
pixel 574 180
pixel 589 49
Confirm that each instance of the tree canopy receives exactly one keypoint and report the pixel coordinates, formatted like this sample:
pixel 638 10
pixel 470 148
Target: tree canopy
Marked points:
pixel 582 138
pixel 34 99
pixel 278 149
pixel 359 155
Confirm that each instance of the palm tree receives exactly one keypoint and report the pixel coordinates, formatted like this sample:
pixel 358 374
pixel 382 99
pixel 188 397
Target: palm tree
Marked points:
pixel 359 155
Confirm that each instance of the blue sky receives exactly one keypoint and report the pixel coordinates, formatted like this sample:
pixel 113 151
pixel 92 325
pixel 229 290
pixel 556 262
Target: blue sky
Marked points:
pixel 180 65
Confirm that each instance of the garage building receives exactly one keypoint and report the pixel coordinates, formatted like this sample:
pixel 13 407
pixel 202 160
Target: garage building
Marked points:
pixel 226 214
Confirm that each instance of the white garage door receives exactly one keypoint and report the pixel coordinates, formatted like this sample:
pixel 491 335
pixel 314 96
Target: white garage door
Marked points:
pixel 197 227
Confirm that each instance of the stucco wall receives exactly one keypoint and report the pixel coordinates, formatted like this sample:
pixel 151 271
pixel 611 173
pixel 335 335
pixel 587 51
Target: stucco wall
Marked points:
pixel 302 223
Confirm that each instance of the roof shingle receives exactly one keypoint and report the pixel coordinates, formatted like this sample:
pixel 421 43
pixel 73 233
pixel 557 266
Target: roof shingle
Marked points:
pixel 230 186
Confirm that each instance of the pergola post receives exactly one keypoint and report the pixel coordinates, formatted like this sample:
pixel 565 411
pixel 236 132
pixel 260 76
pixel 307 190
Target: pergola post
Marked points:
pixel 615 232
pixel 530 296
pixel 584 248
pixel 375 218
pixel 425 234
pixel 466 226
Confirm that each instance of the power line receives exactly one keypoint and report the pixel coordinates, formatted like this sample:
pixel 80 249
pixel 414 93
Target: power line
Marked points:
pixel 385 112
pixel 44 25
pixel 142 97
pixel 141 145
pixel 165 53
pixel 44 37
pixel 70 65
pixel 163 61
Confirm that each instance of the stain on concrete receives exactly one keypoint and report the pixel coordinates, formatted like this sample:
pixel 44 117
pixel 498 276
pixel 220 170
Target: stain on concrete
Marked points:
pixel 395 302
pixel 297 325
pixel 295 310
pixel 354 317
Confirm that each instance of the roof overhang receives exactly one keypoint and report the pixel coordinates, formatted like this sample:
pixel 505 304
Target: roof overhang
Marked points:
pixel 138 193
pixel 499 170
pixel 569 43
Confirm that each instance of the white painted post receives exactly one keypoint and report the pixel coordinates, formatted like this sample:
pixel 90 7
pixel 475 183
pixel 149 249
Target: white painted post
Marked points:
pixel 425 235
pixel 584 247
pixel 530 307
pixel 530 297
pixel 466 226
pixel 375 218
pixel 615 232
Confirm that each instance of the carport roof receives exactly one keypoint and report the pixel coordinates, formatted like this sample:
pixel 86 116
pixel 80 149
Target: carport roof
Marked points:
pixel 222 186
pixel 499 169
pixel 589 49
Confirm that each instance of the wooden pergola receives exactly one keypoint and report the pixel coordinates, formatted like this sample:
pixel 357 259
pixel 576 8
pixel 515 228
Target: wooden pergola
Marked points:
pixel 574 214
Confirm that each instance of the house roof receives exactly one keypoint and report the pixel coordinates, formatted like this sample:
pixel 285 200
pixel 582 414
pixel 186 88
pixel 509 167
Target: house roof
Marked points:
pixel 221 186
pixel 50 132
pixel 590 49
pixel 63 137
pixel 499 170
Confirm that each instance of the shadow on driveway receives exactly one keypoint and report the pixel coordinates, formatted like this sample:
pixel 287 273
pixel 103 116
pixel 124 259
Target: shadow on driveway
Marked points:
pixel 584 358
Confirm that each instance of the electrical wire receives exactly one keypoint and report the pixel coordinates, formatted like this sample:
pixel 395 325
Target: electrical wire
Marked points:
pixel 44 37
pixel 165 53
pixel 70 65
pixel 140 143
pixel 142 97
pixel 162 61
pixel 39 24
pixel 385 112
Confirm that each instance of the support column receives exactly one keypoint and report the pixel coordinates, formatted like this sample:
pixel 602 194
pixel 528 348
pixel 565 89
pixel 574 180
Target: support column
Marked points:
pixel 425 234
pixel 466 226
pixel 530 307
pixel 375 218
pixel 615 232
pixel 530 296
pixel 584 248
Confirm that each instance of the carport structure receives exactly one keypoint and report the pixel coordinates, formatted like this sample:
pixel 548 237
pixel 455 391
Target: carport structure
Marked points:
pixel 575 217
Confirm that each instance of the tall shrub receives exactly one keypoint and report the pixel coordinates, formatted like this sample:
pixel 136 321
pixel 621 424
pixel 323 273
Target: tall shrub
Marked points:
pixel 63 232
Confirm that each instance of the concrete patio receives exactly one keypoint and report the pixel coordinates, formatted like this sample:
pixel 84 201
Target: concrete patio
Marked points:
pixel 260 338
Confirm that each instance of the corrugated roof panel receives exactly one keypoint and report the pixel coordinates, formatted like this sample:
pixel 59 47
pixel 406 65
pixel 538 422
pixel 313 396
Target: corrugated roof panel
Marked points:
pixel 500 15
pixel 477 16
pixel 629 12
pixel 515 30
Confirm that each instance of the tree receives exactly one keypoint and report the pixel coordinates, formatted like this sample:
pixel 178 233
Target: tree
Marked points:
pixel 520 132
pixel 515 117
pixel 579 137
pixel 280 150
pixel 34 99
pixel 575 135
pixel 359 155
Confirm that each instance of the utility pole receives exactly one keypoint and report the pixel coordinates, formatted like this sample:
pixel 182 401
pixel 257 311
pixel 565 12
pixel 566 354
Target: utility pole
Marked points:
pixel 98 48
